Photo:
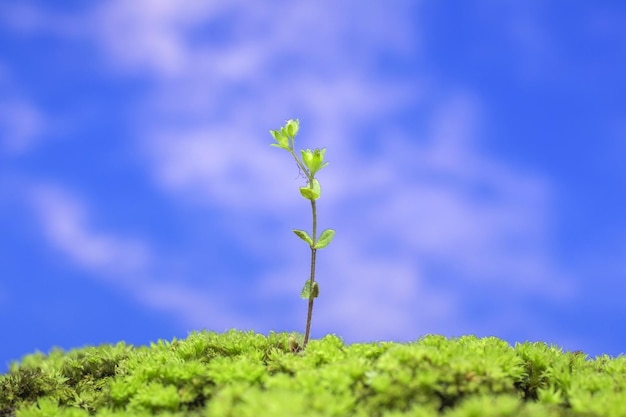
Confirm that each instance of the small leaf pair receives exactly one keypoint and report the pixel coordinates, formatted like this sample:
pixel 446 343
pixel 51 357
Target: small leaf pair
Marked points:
pixel 322 242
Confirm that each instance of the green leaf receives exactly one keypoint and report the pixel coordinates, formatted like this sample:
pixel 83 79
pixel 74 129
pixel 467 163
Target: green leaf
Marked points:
pixel 306 290
pixel 314 160
pixel 304 236
pixel 311 193
pixel 281 138
pixel 292 127
pixel 280 146
pixel 325 238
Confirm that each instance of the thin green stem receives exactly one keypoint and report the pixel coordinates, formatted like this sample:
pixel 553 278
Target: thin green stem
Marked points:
pixel 312 282
pixel 310 179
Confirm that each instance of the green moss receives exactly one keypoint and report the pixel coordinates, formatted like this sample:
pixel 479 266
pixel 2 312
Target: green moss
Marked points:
pixel 248 374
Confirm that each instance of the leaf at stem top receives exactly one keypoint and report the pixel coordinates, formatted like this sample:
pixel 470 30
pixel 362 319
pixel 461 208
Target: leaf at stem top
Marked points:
pixel 314 160
pixel 325 238
pixel 304 236
pixel 306 290
pixel 292 127
pixel 281 138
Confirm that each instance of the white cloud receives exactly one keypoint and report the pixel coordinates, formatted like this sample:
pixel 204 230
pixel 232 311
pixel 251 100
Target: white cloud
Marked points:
pixel 203 131
pixel 65 223
pixel 217 164
pixel 194 308
pixel 146 34
pixel 166 38
pixel 436 197
pixel 439 199
pixel 374 297
pixel 432 201
pixel 127 264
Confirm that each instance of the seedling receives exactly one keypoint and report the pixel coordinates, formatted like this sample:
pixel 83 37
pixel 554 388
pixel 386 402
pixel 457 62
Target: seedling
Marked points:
pixel 310 163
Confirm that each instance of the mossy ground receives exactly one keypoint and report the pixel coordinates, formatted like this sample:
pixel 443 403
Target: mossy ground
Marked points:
pixel 247 374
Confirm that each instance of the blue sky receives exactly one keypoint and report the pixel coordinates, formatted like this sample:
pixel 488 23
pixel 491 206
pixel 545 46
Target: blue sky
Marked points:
pixel 476 181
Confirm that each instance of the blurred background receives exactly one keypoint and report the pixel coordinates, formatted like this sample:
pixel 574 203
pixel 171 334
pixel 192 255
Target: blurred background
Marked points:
pixel 476 182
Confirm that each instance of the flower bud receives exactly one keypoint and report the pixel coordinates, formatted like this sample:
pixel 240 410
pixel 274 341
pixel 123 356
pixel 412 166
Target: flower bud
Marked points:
pixel 292 127
pixel 314 160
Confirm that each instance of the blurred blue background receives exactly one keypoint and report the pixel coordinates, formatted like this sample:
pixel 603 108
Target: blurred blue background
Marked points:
pixel 476 181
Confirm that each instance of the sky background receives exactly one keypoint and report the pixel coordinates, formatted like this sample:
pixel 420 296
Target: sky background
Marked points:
pixel 476 181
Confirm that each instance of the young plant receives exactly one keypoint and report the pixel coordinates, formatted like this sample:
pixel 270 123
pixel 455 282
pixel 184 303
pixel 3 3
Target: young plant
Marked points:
pixel 310 164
